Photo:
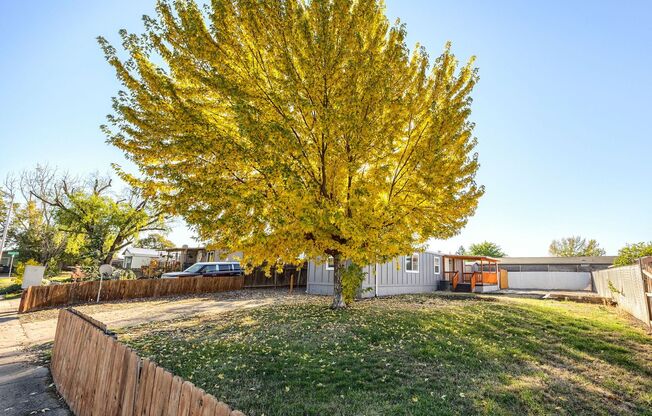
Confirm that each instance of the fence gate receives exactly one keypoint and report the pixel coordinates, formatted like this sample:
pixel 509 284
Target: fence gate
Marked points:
pixel 504 284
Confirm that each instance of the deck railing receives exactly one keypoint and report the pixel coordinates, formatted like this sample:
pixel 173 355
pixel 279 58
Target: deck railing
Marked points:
pixel 453 277
pixel 490 278
pixel 472 278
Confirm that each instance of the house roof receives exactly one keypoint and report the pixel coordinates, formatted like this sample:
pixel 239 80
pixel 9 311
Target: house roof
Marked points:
pixel 476 258
pixel 172 249
pixel 144 252
pixel 559 260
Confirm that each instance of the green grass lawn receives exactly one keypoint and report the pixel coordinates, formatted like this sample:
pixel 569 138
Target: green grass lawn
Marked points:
pixel 412 355
pixel 9 288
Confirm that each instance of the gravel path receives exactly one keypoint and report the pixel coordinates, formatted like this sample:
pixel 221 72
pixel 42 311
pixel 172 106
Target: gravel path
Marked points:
pixel 39 327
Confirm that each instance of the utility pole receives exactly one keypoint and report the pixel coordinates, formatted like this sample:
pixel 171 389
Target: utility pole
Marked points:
pixel 7 222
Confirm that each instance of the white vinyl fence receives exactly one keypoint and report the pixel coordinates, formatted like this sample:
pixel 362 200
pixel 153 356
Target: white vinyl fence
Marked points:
pixel 550 280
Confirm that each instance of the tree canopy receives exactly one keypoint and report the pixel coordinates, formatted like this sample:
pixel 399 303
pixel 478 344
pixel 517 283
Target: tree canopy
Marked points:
pixel 154 241
pixel 82 215
pixel 485 248
pixel 632 252
pixel 295 130
pixel 575 246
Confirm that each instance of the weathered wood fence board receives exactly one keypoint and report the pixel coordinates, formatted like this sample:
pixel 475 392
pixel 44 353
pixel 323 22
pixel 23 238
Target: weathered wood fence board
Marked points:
pixel 290 276
pixel 625 285
pixel 97 375
pixel 39 297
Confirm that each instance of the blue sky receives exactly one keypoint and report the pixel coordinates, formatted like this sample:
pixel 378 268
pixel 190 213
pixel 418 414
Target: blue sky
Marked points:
pixel 562 107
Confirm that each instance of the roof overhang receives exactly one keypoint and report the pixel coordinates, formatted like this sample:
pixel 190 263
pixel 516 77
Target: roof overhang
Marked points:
pixel 472 258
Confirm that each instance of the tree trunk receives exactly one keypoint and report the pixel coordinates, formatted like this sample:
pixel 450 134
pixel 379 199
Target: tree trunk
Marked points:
pixel 338 299
pixel 108 257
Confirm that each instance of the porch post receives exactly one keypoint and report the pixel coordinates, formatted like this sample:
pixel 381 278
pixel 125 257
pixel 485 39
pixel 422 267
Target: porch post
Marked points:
pixel 443 268
pixel 481 271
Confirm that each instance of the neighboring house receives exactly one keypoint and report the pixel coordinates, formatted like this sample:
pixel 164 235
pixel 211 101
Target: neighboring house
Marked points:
pixel 118 261
pixel 417 273
pixel 187 256
pixel 6 260
pixel 135 258
pixel 553 273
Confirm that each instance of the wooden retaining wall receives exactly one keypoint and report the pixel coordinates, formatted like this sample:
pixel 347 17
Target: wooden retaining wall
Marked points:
pixel 97 375
pixel 39 297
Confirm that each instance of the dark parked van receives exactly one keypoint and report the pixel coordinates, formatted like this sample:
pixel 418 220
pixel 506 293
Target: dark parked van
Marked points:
pixel 209 269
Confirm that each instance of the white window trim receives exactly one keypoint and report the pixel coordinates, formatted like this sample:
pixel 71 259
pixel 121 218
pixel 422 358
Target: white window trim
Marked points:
pixel 328 266
pixel 412 257
pixel 437 265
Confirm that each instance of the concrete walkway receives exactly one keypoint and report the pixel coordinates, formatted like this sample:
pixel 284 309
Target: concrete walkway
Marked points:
pixel 25 387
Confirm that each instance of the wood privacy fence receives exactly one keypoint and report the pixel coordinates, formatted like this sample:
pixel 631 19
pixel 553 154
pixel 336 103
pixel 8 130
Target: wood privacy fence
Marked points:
pixel 629 286
pixel 39 297
pixel 97 375
pixel 291 276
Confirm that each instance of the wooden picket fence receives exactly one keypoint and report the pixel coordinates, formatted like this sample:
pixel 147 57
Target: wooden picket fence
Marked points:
pixel 97 375
pixel 40 297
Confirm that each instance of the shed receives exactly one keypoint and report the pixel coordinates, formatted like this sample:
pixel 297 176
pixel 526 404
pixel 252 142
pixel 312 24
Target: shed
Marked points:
pixel 135 257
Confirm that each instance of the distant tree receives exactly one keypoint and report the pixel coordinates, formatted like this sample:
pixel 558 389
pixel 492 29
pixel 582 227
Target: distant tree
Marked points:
pixel 297 130
pixel 36 236
pixel 632 252
pixel 7 190
pixel 98 222
pixel 461 251
pixel 486 248
pixel 575 246
pixel 154 241
pixel 34 230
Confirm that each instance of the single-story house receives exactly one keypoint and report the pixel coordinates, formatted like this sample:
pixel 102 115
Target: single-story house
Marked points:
pixel 553 273
pixel 416 273
pixel 134 257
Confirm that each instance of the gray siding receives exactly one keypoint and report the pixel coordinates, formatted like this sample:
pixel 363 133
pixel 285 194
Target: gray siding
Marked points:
pixel 392 278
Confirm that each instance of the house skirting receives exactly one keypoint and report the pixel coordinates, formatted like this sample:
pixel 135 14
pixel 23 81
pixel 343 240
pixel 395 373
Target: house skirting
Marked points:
pixel 370 291
pixel 486 288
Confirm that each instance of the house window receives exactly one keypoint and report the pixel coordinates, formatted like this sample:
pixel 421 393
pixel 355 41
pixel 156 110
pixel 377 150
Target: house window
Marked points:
pixel 437 265
pixel 412 263
pixel 128 260
pixel 330 264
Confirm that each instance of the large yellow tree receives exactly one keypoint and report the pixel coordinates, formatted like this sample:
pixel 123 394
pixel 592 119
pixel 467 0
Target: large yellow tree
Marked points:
pixel 295 129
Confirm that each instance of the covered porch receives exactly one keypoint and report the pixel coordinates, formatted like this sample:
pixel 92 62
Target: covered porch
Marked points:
pixel 464 273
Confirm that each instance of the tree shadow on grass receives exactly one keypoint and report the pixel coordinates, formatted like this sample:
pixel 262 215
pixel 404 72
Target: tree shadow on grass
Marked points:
pixel 543 360
pixel 412 356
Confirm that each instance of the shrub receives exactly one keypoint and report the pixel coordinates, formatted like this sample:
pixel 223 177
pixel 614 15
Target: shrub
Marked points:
pixel 90 272
pixel 13 288
pixel 123 274
pixel 352 278
pixel 632 252
pixel 52 268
